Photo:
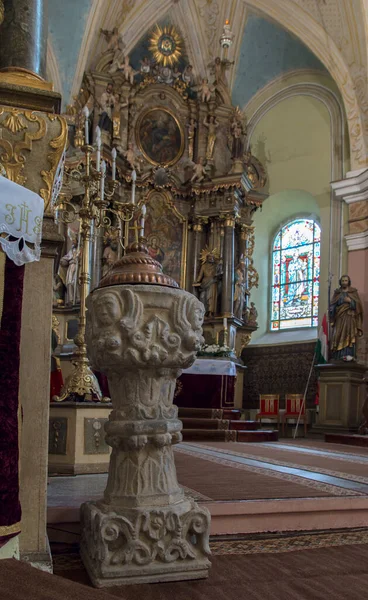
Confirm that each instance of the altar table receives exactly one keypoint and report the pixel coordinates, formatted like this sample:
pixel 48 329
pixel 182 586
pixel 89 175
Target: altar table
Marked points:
pixel 208 383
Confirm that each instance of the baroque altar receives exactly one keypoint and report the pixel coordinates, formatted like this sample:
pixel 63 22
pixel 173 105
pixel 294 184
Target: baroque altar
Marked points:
pixel 183 165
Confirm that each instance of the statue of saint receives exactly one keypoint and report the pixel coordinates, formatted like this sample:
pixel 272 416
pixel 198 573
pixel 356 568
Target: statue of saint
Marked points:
pixel 68 272
pixel 237 134
pixel 192 125
pixel 211 123
pixel 251 315
pixel 107 103
pixel 109 257
pixel 346 320
pixel 207 280
pixel 120 103
pixel 58 291
pixel 240 291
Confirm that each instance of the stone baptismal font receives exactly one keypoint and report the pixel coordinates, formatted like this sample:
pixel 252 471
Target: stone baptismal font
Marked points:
pixel 142 330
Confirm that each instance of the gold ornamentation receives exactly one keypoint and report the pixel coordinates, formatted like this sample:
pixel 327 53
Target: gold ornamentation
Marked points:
pixel 24 77
pixel 58 144
pixel 14 121
pixel 166 45
pixel 13 158
pixel 206 252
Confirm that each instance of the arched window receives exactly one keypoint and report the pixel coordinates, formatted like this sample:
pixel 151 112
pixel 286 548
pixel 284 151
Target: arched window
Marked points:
pixel 295 275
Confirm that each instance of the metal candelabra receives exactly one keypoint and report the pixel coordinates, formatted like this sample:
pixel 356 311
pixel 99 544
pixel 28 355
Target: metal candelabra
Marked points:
pixel 98 209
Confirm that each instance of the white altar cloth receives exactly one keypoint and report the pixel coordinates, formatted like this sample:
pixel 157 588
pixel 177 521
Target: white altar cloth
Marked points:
pixel 208 366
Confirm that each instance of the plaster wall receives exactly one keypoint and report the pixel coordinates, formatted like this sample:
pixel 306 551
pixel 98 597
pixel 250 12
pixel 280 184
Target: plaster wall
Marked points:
pixel 293 140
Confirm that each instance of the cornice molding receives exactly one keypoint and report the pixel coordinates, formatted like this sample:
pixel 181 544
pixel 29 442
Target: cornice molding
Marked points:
pixel 357 241
pixel 354 188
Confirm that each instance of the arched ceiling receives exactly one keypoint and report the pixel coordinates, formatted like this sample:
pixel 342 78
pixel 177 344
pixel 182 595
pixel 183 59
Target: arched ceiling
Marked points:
pixel 333 30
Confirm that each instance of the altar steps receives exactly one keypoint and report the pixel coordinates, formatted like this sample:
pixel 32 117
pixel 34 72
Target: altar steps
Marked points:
pixel 222 425
pixel 226 435
pixel 190 423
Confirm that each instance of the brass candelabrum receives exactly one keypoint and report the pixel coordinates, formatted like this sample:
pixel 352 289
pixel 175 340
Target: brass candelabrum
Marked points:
pixel 97 210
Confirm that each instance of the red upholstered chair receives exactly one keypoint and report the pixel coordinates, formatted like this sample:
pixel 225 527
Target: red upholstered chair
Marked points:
pixel 269 408
pixel 293 402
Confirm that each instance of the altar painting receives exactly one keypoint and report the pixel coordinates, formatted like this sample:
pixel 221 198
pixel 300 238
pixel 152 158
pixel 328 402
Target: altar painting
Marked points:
pixel 296 273
pixel 165 231
pixel 160 137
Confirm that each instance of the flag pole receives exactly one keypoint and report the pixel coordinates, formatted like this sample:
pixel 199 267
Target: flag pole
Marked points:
pixel 304 397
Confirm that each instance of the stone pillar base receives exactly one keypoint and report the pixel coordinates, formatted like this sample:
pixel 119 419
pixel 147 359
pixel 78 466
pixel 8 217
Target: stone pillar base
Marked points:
pixel 341 397
pixel 144 545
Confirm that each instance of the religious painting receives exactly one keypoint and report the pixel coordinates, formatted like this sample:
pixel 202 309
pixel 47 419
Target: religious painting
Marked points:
pixel 166 234
pixel 160 136
pixel 296 275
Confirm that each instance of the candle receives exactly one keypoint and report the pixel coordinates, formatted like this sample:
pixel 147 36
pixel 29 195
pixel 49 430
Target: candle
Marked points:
pixel 113 154
pixel 98 144
pixel 134 178
pixel 86 124
pixel 225 323
pixel 102 184
pixel 142 220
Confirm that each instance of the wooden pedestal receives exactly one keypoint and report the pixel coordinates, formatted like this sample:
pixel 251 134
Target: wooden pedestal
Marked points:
pixel 77 438
pixel 341 396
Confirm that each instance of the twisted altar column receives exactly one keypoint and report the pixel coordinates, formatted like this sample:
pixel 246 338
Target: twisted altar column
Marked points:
pixel 227 296
pixel 144 529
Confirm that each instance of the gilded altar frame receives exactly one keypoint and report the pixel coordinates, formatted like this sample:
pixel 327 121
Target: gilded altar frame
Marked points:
pixel 168 200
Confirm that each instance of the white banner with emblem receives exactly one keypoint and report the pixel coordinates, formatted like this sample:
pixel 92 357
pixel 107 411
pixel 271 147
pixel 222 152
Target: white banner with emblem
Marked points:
pixel 21 214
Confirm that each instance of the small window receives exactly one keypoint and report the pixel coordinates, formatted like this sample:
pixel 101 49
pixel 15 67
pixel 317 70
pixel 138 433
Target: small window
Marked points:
pixel 296 256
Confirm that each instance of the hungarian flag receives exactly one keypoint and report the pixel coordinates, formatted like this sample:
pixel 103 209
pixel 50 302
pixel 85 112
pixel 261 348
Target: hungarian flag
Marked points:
pixel 321 349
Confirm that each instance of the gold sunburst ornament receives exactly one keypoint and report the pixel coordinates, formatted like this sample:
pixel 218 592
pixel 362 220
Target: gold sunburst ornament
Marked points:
pixel 166 45
pixel 207 252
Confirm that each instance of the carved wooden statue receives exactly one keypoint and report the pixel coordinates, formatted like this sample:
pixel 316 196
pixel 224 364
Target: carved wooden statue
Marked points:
pixel 346 319
pixel 207 280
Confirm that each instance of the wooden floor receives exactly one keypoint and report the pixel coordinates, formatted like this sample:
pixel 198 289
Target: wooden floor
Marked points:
pixel 249 488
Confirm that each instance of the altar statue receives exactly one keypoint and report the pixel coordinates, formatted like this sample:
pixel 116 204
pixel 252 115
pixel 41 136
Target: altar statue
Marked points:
pixel 199 171
pixel 237 133
pixel 240 291
pixel 346 320
pixel 132 157
pixel 207 280
pixel 109 257
pixel 206 90
pixel 192 125
pixel 107 103
pixel 128 70
pixel 113 38
pixel 68 272
pixel 211 123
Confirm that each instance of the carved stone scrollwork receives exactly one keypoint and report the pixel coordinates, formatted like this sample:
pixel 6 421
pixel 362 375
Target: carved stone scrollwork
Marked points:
pixel 141 336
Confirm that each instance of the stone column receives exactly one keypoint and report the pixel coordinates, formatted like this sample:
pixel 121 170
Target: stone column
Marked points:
pixel 354 192
pixel 144 529
pixel 34 395
pixel 227 297
pixel 23 39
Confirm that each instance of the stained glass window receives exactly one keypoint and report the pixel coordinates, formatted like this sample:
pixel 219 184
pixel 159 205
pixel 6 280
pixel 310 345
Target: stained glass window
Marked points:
pixel 295 275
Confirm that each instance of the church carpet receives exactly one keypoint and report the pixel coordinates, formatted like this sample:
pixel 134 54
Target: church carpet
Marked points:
pixel 315 573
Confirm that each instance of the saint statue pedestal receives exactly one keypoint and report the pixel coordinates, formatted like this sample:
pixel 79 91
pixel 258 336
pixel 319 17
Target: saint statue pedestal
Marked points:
pixel 341 396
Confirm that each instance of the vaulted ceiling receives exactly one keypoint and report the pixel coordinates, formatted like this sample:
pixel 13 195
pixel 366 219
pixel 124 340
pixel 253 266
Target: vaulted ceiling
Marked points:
pixel 271 38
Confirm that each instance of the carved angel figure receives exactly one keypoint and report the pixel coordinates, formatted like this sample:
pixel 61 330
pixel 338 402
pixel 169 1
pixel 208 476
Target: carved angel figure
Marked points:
pixel 132 157
pixel 128 70
pixel 199 171
pixel 206 90
pixel 113 38
pixel 191 128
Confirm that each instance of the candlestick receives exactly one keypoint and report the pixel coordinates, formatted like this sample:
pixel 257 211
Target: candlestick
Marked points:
pixel 102 184
pixel 134 178
pixel 142 220
pixel 86 124
pixel 113 155
pixel 98 144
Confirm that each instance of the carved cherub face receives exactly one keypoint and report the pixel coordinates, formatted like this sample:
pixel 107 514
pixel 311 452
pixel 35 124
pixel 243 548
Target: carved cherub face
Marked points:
pixel 218 60
pixel 205 81
pixel 109 88
pixel 200 160
pixel 198 316
pixel 107 309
